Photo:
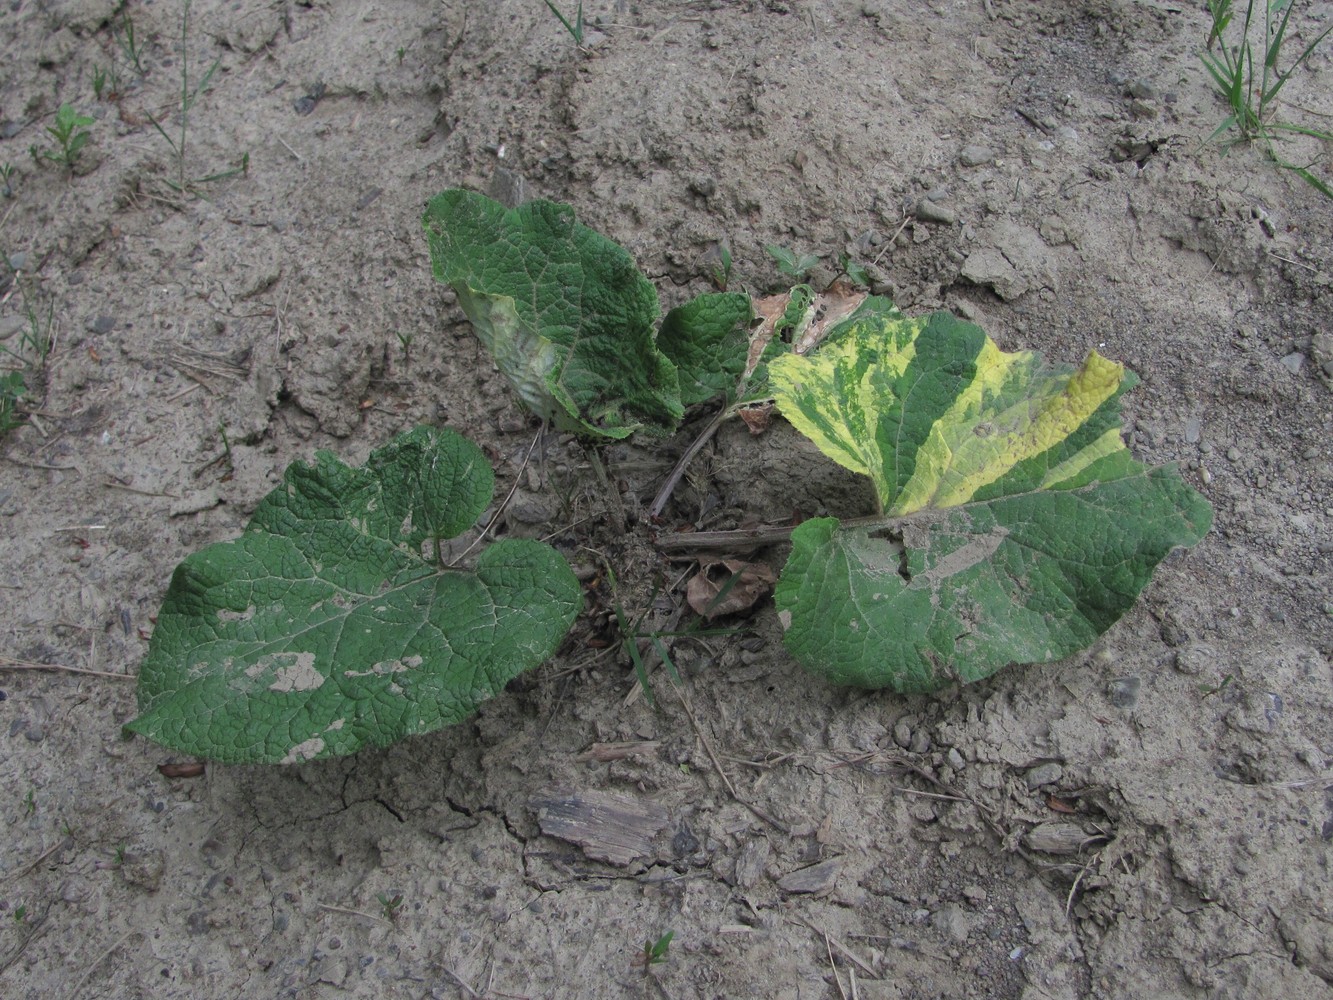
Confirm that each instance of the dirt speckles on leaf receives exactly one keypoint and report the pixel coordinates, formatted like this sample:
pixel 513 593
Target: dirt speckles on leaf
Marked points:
pixel 965 557
pixel 398 638
pixel 298 675
pixel 303 751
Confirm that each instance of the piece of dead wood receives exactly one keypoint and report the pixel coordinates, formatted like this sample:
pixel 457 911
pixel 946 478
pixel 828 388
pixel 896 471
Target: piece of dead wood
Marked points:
pixel 814 879
pixel 603 752
pixel 8 664
pixel 610 827
pixel 1058 837
pixel 752 862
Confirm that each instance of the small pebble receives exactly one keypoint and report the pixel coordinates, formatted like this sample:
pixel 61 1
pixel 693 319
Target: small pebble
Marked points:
pixel 1044 774
pixel 101 325
pixel 975 155
pixel 1141 89
pixel 902 731
pixel 1173 633
pixel 684 843
pixel 920 742
pixel 704 186
pixel 955 759
pixel 1233 454
pixel 1294 362
pixel 930 211
pixel 1193 430
pixel 1124 691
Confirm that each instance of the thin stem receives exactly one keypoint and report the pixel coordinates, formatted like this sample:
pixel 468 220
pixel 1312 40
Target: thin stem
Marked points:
pixel 185 91
pixel 742 539
pixel 678 470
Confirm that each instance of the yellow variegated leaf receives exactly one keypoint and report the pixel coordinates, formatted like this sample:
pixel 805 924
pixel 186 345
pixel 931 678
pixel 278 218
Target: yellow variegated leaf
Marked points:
pixel 1017 525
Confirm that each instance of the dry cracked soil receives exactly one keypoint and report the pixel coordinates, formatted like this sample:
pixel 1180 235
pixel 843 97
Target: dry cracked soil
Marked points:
pixel 1153 818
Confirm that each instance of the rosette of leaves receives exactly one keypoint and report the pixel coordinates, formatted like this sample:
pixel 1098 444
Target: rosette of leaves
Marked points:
pixel 1016 527
pixel 573 324
pixel 332 622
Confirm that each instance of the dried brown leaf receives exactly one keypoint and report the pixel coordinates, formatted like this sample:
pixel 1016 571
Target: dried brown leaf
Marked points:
pixel 728 586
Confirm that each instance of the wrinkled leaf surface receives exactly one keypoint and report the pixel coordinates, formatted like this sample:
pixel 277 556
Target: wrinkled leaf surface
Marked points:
pixel 328 624
pixel 707 339
pixel 565 312
pixel 1017 527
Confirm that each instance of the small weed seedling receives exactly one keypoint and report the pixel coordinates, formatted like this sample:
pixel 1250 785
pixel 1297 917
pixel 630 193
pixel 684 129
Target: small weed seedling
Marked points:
pixel 632 633
pixel 391 905
pixel 36 342
pixel 189 96
pixel 789 264
pixel 21 913
pixel 1251 91
pixel 654 952
pixel 70 134
pixel 7 179
pixel 1205 691
pixel 130 44
pixel 12 389
pixel 405 342
pixel 856 273
pixel 576 29
pixel 226 449
pixel 722 268
pixel 30 802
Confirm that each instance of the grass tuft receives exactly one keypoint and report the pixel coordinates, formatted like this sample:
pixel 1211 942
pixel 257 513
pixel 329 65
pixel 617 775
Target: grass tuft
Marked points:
pixel 1247 74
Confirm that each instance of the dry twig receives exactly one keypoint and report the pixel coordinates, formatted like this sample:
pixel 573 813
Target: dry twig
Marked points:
pixel 9 664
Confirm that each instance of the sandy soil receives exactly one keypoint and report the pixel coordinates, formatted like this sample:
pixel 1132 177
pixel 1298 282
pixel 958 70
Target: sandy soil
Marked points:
pixel 1154 818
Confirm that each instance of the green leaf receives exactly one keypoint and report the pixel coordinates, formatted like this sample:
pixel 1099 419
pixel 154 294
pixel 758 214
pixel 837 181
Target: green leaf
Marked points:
pixel 324 628
pixel 1018 527
pixel 707 339
pixel 565 312
pixel 855 271
pixel 790 264
pixel 12 389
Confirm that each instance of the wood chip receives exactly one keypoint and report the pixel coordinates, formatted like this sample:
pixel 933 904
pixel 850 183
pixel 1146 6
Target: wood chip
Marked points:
pixel 752 861
pixel 609 827
pixel 1060 838
pixel 618 751
pixel 818 878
